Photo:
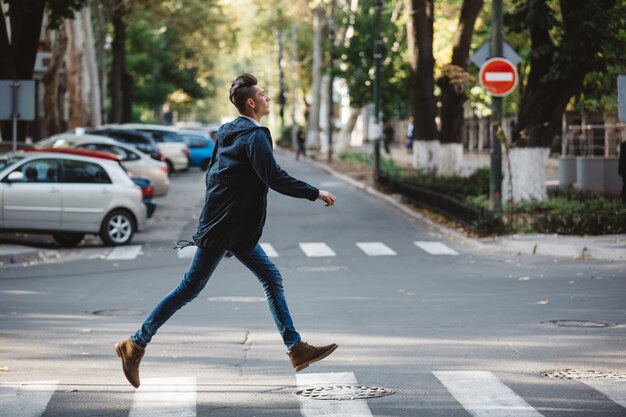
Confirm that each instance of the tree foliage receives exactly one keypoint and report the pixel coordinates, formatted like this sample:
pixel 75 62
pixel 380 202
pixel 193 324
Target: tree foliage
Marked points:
pixel 356 56
pixel 570 41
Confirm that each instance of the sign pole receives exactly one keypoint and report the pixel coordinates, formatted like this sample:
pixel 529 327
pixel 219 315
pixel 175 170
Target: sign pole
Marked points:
pixel 495 178
pixel 378 54
pixel 14 113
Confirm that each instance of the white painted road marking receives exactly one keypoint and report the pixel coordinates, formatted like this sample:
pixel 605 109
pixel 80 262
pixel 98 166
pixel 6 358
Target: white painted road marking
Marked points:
pixel 187 252
pixel 165 397
pixel 330 408
pixel 615 390
pixel 269 250
pixel 25 399
pixel 498 76
pixel 375 249
pixel 436 248
pixel 483 395
pixel 316 249
pixel 124 252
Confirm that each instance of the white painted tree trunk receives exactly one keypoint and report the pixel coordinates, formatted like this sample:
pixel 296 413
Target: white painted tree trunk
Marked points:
pixel 528 168
pixel 313 129
pixel 426 155
pixel 450 159
pixel 92 69
pixel 345 135
pixel 324 111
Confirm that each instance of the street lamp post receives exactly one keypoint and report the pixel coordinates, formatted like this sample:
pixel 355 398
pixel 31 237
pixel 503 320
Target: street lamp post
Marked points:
pixel 378 55
pixel 331 76
pixel 495 178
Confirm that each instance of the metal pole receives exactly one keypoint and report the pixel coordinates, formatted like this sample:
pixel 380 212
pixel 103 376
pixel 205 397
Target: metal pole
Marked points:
pixel 294 126
pixel 331 37
pixel 495 180
pixel 15 115
pixel 377 91
pixel 281 81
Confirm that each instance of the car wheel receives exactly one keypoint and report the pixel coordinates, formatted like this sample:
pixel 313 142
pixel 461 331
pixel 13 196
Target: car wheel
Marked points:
pixel 68 240
pixel 170 167
pixel 205 164
pixel 117 228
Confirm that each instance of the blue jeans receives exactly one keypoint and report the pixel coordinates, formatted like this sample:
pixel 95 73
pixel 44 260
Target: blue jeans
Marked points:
pixel 202 266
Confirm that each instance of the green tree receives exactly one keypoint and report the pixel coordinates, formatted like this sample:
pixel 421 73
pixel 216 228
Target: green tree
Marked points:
pixel 570 39
pixel 356 57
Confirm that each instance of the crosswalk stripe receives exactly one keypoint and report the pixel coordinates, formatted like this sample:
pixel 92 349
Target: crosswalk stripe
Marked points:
pixel 330 408
pixel 483 395
pixel 25 399
pixel 269 250
pixel 436 248
pixel 614 390
pixel 187 252
pixel 316 249
pixel 165 397
pixel 375 249
pixel 124 252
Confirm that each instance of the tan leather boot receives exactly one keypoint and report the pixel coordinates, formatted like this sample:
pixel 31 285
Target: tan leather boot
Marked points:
pixel 131 354
pixel 304 354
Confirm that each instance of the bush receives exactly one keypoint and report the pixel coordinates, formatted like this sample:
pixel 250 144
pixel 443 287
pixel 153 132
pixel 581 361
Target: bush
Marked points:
pixel 460 188
pixel 598 216
pixel 387 165
pixel 569 214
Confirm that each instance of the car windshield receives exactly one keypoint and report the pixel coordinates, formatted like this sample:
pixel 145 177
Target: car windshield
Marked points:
pixel 56 143
pixel 6 160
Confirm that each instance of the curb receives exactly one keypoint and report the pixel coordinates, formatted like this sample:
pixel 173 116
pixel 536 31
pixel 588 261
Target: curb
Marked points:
pixel 580 251
pixel 24 256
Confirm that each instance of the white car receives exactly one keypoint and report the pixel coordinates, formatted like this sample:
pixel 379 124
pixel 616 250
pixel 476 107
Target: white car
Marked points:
pixel 69 196
pixel 175 150
pixel 134 161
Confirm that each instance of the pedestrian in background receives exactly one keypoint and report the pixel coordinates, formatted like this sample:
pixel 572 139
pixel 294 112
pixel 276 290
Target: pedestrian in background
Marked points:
pixel 301 143
pixel 388 133
pixel 622 168
pixel 242 170
pixel 409 136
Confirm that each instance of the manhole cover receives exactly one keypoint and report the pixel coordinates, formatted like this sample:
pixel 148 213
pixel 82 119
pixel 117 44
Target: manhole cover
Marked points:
pixel 585 375
pixel 580 323
pixel 118 312
pixel 344 392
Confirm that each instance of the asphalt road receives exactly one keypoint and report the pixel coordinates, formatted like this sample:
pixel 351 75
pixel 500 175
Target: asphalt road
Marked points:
pixel 465 334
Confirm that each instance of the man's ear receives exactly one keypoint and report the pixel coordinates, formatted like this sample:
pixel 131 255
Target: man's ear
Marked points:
pixel 250 102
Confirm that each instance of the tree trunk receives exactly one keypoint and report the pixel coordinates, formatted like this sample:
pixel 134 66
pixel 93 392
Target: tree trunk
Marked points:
pixel 453 88
pixel 118 70
pixel 546 97
pixel 313 128
pixel 422 63
pixel 101 55
pixel 346 131
pixel 74 73
pixel 51 78
pixel 92 70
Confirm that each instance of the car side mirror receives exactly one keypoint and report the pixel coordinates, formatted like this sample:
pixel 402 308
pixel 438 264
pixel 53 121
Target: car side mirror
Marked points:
pixel 15 176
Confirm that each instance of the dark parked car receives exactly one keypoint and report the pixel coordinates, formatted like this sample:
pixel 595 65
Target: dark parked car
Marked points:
pixel 140 140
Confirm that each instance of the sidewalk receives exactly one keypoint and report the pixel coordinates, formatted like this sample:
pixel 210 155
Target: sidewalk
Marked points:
pixel 609 248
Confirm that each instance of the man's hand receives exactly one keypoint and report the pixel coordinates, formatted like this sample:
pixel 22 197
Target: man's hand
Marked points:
pixel 327 198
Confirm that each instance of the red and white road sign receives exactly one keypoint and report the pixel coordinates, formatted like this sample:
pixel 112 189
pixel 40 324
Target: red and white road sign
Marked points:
pixel 498 76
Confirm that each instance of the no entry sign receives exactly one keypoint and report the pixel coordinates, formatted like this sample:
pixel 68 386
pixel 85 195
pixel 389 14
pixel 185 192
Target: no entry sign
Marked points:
pixel 498 76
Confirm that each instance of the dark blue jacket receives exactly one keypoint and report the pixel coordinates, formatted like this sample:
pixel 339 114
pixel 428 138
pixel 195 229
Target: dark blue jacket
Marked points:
pixel 237 182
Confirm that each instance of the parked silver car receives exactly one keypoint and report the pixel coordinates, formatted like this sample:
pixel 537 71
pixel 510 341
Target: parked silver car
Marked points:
pixel 136 162
pixel 69 196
